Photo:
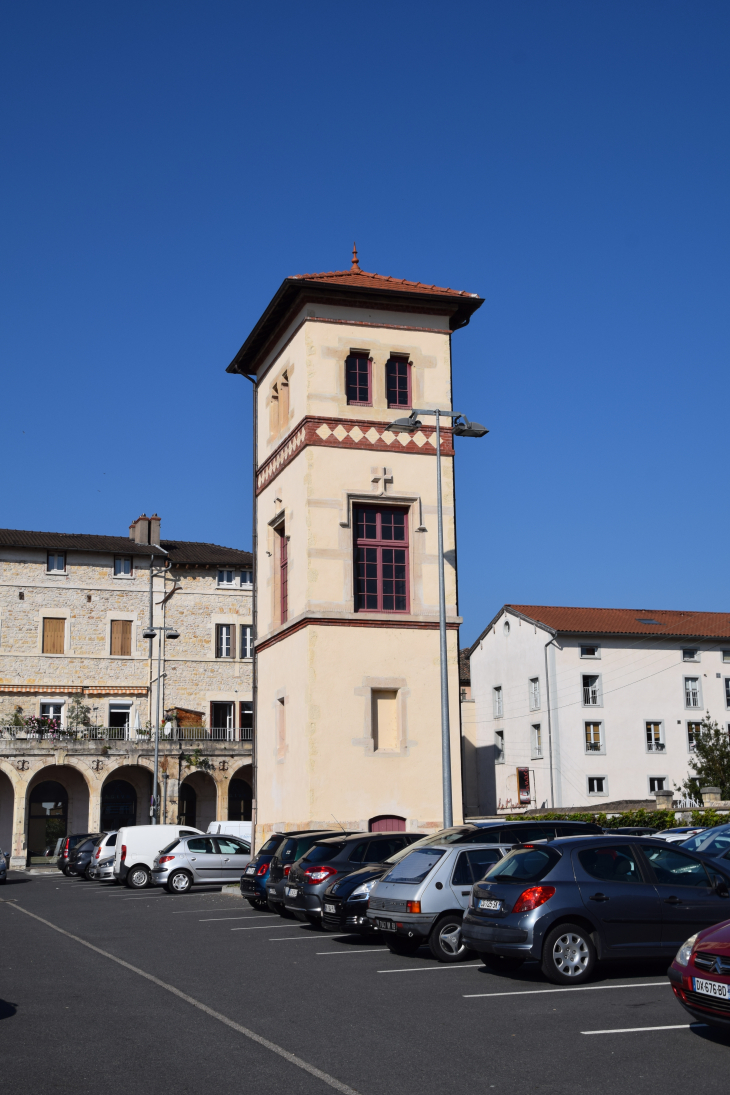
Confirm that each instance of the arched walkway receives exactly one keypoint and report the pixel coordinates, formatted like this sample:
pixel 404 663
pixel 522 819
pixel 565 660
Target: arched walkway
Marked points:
pixel 240 795
pixel 7 805
pixel 57 804
pixel 197 801
pixel 125 797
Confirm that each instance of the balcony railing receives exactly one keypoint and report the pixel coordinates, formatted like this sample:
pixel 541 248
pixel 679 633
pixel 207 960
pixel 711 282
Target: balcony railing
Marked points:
pixel 593 747
pixel 655 746
pixel 590 697
pixel 126 733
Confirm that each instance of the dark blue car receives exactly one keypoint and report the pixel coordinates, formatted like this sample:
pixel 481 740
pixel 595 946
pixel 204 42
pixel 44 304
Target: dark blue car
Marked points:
pixel 572 901
pixel 255 877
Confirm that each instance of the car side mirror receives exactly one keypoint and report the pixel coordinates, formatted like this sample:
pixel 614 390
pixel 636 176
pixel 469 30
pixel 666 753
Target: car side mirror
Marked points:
pixel 720 886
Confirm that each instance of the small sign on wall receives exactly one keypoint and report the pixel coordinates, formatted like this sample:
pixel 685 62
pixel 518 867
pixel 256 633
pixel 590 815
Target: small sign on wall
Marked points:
pixel 523 786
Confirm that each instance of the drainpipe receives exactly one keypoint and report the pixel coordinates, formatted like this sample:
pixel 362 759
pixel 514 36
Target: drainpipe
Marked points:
pixel 254 616
pixel 550 722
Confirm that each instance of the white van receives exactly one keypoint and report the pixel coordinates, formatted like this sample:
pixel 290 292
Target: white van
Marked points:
pixel 136 848
pixel 241 829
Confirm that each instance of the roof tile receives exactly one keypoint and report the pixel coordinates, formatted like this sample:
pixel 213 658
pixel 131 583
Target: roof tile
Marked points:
pixel 629 621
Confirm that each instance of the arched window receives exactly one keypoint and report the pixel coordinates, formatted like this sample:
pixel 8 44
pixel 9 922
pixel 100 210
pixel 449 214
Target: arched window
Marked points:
pixel 239 800
pixel 387 823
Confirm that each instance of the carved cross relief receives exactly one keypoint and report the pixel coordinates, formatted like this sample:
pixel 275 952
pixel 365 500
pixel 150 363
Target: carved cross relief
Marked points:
pixel 380 475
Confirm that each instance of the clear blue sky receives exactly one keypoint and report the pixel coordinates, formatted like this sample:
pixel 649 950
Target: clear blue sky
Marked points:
pixel 167 164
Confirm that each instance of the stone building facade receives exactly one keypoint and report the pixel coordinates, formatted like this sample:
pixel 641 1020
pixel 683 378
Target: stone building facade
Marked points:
pixel 80 694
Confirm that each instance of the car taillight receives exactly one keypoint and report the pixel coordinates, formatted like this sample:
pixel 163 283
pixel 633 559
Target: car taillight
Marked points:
pixel 98 853
pixel 64 853
pixel 413 906
pixel 165 858
pixel 124 852
pixel 319 874
pixel 262 870
pixel 286 870
pixel 532 897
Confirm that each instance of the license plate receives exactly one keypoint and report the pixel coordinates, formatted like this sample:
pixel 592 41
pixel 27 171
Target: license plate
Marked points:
pixel 272 890
pixel 711 988
pixel 330 909
pixel 386 925
pixel 486 903
pixel 250 870
pixel 292 891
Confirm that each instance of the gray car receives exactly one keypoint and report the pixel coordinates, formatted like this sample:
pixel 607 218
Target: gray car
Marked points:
pixel 102 870
pixel 200 859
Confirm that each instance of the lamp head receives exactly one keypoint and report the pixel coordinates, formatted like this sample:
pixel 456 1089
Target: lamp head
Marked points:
pixel 171 633
pixel 469 429
pixel 149 633
pixel 406 425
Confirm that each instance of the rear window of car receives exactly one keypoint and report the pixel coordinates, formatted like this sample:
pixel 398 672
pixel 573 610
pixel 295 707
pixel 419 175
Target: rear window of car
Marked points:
pixel 87 845
pixel 169 848
pixel 414 867
pixel 271 845
pixel 715 842
pixel 321 853
pixel 524 865
pixel 111 841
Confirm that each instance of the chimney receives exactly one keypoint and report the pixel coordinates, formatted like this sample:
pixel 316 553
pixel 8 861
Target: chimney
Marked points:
pixel 139 530
pixel 154 529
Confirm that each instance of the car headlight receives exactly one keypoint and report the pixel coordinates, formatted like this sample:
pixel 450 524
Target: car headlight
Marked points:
pixel 685 951
pixel 363 890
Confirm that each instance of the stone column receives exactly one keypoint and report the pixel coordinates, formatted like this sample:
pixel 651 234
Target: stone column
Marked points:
pixel 19 853
pixel 664 800
pixel 711 795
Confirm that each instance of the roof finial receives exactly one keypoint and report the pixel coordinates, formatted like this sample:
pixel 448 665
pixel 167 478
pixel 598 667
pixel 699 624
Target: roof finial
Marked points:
pixel 355 268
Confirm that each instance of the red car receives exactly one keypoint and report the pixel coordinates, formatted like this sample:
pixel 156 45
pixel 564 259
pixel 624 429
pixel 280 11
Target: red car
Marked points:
pixel 700 975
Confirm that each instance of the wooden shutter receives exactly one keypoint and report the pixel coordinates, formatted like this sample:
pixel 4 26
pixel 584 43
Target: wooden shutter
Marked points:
pixel 233 640
pixel 122 638
pixel 54 631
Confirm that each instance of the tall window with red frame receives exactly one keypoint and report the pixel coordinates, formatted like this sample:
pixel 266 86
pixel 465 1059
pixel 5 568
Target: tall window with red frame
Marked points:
pixel 358 379
pixel 381 559
pixel 398 382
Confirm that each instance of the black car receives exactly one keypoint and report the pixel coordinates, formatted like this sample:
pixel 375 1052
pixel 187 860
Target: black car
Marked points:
pixel 255 877
pixel 79 858
pixel 345 901
pixel 570 902
pixel 281 863
pixel 334 858
pixel 68 845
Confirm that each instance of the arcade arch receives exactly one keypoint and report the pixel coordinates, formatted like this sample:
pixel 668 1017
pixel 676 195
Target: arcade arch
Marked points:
pixel 240 795
pixel 125 797
pixel 7 805
pixel 57 803
pixel 197 801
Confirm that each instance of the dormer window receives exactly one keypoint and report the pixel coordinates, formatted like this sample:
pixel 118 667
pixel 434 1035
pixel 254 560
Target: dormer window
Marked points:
pixel 56 562
pixel 398 382
pixel 358 379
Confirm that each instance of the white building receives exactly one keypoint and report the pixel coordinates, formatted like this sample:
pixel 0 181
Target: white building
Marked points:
pixel 579 706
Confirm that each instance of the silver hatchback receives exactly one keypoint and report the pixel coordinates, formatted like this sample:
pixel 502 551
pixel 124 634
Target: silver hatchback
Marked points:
pixel 200 859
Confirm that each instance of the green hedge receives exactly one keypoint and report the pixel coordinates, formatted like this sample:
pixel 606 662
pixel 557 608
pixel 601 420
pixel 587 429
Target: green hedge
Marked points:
pixel 658 819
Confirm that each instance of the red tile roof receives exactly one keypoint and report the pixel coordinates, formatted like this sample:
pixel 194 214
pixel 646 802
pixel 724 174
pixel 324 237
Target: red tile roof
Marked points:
pixel 628 621
pixel 360 279
pixel 183 552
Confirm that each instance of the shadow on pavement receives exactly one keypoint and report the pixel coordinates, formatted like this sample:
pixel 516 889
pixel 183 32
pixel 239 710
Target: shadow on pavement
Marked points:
pixel 7 1010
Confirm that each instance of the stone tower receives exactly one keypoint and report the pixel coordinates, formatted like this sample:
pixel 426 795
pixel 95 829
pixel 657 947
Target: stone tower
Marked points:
pixel 347 683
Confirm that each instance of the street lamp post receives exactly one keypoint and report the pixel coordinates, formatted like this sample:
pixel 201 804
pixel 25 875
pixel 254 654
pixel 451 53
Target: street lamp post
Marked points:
pixel 149 633
pixel 463 428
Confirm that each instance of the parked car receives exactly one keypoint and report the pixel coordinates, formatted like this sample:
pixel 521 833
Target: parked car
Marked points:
pixel 633 830
pixel 330 859
pixel 280 864
pixel 700 975
pixel 517 832
pixel 3 868
pixel 241 829
pixel 713 842
pixel 200 859
pixel 102 870
pixel 680 834
pixel 69 843
pixel 573 901
pixel 80 857
pixel 254 881
pixel 137 847
pixel 104 851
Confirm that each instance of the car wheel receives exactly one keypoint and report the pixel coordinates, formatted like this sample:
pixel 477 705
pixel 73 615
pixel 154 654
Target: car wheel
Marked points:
pixel 315 922
pixel 87 874
pixel 403 945
pixel 501 963
pixel 3 880
pixel 568 955
pixel 178 882
pixel 281 910
pixel 138 877
pixel 445 942
pixel 67 871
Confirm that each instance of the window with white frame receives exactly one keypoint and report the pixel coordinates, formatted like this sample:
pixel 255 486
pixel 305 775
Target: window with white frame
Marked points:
pixel 591 651
pixel 654 737
pixel 693 731
pixel 690 655
pixel 536 740
pixel 56 562
pixel 122 566
pixel 497 702
pixel 225 641
pixel 52 711
pixel 592 692
pixel 593 735
pixel 534 690
pixel 692 697
pixel 657 783
pixel 597 785
pixel 727 691
pixel 726 655
pixel 246 641
pixel 246 577
pixel 225 578
pixel 499 746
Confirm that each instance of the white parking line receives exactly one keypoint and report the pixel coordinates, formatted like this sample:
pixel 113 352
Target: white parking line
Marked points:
pixel 420 969
pixel 637 1030
pixel 260 928
pixel 578 988
pixel 375 950
pixel 210 919
pixel 289 938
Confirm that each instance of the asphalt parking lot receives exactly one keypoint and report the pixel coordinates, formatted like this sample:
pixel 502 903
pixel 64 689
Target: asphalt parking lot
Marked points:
pixel 201 990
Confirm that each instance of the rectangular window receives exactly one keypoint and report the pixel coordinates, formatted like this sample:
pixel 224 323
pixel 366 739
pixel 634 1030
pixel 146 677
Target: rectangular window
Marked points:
pixel 56 562
pixel 593 737
pixel 398 382
pixel 381 568
pixel 590 652
pixel 727 691
pixel 358 379
pixel 690 655
pixel 499 746
pixel 592 690
pixel 692 692
pixel 122 566
pixel 385 720
pixel 726 655
pixel 654 737
pixel 597 785
pixel 221 721
pixel 246 641
pixel 657 783
pixel 121 638
pixel 536 740
pixel 225 577
pixel 225 641
pixel 246 577
pixel 534 693
pixel 693 731
pixel 52 711
pixel 283 576
pixel 497 702
pixel 54 632
pixel 246 720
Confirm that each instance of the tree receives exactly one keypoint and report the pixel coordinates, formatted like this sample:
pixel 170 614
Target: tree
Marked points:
pixel 78 713
pixel 710 763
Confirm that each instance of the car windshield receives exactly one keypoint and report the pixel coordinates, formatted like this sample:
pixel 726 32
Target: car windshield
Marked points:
pixel 295 848
pixel 321 853
pixel 711 842
pixel 169 848
pixel 271 845
pixel 523 865
pixel 415 866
